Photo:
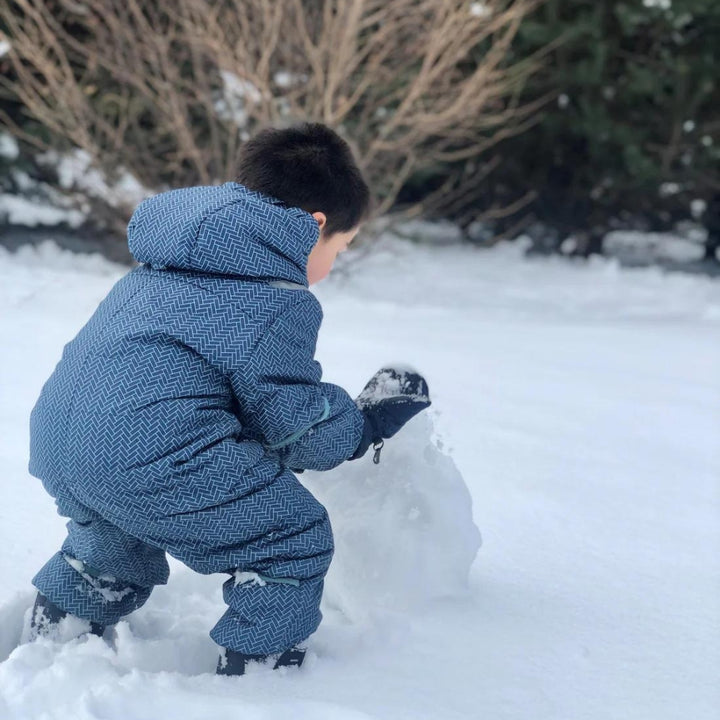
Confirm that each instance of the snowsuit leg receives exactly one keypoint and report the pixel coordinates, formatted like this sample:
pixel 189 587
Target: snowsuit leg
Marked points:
pixel 101 573
pixel 269 533
pixel 276 542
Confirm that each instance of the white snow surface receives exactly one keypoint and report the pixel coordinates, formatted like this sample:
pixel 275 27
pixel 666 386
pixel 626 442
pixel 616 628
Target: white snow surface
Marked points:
pixel 575 417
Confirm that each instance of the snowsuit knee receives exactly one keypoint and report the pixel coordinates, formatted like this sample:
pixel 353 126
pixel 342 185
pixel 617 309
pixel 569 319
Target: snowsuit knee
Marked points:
pixel 174 419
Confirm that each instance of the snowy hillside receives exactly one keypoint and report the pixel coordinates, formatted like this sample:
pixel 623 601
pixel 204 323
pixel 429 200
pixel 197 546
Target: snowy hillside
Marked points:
pixel 575 422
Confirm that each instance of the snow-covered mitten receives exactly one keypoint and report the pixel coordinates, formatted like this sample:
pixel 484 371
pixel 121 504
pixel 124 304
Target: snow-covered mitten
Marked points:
pixel 391 398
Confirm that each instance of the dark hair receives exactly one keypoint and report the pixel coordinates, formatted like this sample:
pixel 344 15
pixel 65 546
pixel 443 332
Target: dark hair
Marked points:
pixel 307 166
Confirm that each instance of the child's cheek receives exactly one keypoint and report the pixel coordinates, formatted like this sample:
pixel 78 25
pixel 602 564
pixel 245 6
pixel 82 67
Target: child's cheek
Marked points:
pixel 318 269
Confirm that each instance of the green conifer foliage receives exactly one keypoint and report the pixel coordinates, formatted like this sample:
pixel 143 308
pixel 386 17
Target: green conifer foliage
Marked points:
pixel 633 136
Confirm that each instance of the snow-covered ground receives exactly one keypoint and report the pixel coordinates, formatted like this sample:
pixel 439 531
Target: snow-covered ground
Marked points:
pixel 580 404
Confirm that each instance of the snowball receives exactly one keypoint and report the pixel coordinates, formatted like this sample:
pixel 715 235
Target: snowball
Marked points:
pixel 404 530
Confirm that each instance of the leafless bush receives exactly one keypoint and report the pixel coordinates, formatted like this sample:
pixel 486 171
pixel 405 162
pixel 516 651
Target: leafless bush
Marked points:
pixel 170 90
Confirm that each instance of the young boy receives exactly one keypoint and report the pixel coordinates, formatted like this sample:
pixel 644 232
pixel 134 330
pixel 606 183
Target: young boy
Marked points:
pixel 175 418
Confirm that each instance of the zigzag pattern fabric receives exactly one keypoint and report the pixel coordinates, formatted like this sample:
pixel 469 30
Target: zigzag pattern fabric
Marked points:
pixel 174 418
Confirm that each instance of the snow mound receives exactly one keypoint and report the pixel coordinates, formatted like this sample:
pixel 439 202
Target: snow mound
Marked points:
pixel 404 530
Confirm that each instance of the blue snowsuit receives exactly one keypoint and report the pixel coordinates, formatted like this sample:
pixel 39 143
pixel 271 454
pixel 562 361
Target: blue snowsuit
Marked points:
pixel 174 419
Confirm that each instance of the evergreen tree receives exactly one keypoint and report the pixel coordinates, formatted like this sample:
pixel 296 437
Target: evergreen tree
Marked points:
pixel 633 135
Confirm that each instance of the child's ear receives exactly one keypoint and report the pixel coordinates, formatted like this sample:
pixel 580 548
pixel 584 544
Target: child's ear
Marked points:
pixel 321 219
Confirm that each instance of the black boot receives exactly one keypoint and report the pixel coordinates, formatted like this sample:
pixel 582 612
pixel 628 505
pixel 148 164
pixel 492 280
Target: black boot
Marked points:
pixel 46 617
pixel 231 662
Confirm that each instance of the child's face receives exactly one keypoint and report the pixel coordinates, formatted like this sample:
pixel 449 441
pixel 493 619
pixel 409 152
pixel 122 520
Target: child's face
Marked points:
pixel 326 249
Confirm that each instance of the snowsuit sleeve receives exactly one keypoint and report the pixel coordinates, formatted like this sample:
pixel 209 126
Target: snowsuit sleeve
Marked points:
pixel 309 424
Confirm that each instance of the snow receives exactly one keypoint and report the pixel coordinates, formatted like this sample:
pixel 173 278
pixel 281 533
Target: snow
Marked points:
pixel 42 205
pixel 574 420
pixel 393 381
pixel 284 79
pixel 19 210
pixel 441 232
pixel 480 9
pixel 404 530
pixel 644 248
pixel 236 93
pixel 23 181
pixel 76 172
pixel 698 206
pixel 569 245
pixel 248 577
pixel 8 144
pixel 669 188
pixel 98 582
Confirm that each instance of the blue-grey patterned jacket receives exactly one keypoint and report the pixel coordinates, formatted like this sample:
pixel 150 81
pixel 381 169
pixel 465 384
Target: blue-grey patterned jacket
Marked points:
pixel 198 365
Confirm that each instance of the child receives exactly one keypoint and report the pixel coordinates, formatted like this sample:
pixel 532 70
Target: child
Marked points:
pixel 175 418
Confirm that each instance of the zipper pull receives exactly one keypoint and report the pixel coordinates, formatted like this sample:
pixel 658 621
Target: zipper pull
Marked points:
pixel 378 445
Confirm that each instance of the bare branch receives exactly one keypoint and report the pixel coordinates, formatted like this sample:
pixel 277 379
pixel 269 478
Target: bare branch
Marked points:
pixel 170 92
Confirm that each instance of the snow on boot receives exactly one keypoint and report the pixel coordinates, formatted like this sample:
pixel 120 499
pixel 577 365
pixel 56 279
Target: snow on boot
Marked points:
pixel 46 618
pixel 231 662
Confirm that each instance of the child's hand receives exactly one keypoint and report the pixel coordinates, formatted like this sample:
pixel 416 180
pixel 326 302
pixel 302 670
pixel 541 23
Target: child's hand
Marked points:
pixel 391 398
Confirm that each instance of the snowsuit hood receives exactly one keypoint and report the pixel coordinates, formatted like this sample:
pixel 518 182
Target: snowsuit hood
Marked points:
pixel 226 230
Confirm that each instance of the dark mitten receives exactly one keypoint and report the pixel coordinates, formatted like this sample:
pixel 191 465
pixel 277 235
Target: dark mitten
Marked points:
pixel 391 398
